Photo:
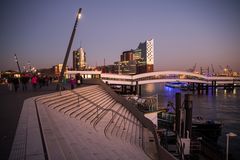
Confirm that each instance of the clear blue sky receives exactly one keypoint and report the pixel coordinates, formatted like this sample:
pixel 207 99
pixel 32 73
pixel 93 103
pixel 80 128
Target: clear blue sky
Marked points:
pixel 185 31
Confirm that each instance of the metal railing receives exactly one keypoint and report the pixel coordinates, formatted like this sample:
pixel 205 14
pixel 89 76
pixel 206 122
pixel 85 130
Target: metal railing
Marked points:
pixel 162 153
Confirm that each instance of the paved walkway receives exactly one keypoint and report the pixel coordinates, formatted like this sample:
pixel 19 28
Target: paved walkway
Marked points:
pixel 10 108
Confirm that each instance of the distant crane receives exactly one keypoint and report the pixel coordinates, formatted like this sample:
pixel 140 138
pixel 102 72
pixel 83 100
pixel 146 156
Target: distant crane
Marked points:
pixel 227 71
pixel 213 72
pixel 193 69
pixel 204 71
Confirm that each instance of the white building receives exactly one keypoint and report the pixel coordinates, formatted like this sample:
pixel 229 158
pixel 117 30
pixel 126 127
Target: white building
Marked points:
pixel 79 59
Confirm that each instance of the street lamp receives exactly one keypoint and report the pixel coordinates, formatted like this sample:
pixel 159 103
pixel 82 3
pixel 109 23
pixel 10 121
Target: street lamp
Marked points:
pixel 230 134
pixel 68 50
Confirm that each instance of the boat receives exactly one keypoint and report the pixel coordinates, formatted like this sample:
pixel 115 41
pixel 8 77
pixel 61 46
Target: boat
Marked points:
pixel 181 85
pixel 205 128
pixel 208 129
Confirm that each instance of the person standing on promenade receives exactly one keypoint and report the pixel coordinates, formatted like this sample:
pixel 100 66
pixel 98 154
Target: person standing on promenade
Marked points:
pixel 34 82
pixel 15 83
pixel 72 82
pixel 24 80
pixel 10 83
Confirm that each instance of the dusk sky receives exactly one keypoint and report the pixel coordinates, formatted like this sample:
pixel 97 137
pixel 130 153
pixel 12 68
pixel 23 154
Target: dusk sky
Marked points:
pixel 185 31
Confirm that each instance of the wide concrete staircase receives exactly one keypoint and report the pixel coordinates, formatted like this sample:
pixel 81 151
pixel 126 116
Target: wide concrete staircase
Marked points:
pixel 84 123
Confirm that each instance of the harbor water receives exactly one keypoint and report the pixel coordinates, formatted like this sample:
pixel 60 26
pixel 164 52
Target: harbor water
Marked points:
pixel 221 105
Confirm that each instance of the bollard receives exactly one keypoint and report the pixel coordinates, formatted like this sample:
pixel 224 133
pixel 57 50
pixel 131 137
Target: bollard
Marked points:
pixel 178 113
pixel 188 118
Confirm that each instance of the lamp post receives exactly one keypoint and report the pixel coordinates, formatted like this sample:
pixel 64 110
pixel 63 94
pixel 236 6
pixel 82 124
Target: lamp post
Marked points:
pixel 68 50
pixel 230 134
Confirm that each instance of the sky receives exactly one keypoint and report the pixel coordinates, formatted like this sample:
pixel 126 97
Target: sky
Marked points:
pixel 185 32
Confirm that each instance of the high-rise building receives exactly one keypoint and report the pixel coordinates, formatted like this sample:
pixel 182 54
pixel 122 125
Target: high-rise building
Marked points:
pixel 140 60
pixel 147 53
pixel 79 59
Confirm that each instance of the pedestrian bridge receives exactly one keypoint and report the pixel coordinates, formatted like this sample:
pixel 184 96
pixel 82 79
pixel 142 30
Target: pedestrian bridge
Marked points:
pixel 157 77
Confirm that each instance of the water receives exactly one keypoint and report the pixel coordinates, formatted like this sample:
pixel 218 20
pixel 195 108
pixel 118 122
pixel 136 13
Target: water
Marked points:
pixel 223 106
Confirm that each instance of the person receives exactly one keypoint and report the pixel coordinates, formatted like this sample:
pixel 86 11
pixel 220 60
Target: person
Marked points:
pixel 72 82
pixel 10 83
pixel 16 84
pixel 24 81
pixel 34 82
pixel 46 79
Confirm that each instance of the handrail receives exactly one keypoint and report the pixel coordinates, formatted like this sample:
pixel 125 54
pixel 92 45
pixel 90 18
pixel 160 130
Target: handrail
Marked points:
pixel 102 108
pixel 131 108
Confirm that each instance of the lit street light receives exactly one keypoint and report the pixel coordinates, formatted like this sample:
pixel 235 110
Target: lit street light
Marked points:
pixel 68 50
pixel 227 147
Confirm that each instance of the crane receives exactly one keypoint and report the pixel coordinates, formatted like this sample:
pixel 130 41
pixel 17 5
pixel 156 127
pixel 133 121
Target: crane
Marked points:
pixel 213 72
pixel 227 71
pixel 193 68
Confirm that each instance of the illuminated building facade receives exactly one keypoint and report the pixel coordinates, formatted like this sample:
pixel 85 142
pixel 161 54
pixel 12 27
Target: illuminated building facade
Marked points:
pixel 79 59
pixel 147 53
pixel 57 69
pixel 140 60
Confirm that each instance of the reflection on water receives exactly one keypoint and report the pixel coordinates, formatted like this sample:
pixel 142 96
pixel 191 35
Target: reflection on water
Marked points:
pixel 222 105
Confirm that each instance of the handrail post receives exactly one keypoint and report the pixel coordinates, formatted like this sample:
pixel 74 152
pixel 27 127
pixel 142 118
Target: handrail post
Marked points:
pixel 97 111
pixel 112 117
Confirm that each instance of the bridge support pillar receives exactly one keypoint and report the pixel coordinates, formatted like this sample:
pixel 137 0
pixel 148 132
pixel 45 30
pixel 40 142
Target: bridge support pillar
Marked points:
pixel 131 89
pixel 214 86
pixel 123 89
pixel 198 88
pixel 193 87
pixel 136 88
pixel 140 90
pixel 206 88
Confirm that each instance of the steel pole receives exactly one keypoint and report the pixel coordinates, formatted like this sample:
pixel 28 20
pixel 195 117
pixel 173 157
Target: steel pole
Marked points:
pixel 227 146
pixel 68 50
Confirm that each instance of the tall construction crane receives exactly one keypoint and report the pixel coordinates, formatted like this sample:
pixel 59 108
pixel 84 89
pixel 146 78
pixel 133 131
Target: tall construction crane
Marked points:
pixel 213 72
pixel 226 71
pixel 193 68
pixel 229 70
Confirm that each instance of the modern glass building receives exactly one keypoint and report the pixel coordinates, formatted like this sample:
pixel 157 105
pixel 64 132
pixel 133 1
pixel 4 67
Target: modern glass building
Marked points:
pixel 147 53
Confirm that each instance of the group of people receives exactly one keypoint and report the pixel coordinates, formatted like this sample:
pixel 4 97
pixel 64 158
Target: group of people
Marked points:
pixel 37 82
pixel 74 81
pixel 14 82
